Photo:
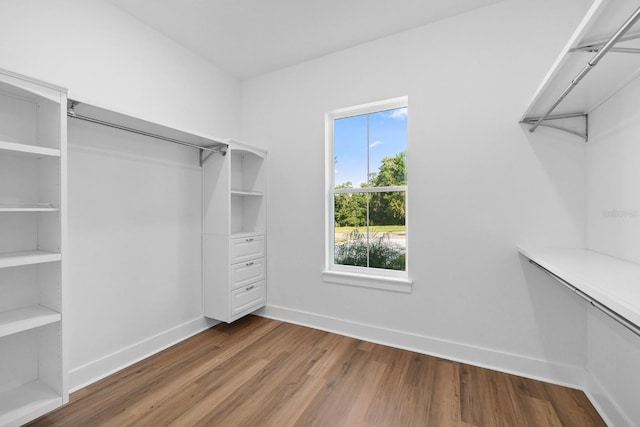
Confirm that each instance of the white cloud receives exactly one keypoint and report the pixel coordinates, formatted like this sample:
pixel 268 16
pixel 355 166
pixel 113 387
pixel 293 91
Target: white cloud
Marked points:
pixel 374 143
pixel 398 114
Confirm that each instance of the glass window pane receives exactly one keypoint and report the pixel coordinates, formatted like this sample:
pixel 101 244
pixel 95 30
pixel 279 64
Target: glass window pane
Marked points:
pixel 387 148
pixel 350 229
pixel 387 231
pixel 370 230
pixel 350 151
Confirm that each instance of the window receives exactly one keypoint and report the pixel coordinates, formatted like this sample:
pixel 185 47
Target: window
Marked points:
pixel 366 185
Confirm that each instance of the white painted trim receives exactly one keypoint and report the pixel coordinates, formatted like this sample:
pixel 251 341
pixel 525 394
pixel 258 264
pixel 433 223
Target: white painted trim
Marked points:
pixel 606 406
pixel 352 275
pixel 114 362
pixel 555 373
pixel 370 107
pixel 389 283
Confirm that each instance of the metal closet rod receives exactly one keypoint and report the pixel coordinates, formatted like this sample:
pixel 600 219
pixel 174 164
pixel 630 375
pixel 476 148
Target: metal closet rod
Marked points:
pixel 594 61
pixel 71 113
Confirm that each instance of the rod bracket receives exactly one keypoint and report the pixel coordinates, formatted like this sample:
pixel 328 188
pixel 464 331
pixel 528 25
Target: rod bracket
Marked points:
pixel 535 121
pixel 204 155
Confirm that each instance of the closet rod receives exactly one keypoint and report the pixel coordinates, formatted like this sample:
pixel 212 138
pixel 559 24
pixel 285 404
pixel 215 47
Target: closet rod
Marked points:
pixel 71 113
pixel 594 61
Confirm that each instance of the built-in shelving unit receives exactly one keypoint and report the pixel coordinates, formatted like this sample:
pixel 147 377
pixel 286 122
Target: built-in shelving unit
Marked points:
pixel 33 136
pixel 235 232
pixel 601 58
pixel 608 283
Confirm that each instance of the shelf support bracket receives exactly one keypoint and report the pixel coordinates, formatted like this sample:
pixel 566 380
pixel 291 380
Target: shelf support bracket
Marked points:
pixel 205 154
pixel 544 123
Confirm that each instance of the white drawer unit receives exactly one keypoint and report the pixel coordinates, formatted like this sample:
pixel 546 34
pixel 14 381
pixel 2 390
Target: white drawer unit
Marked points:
pixel 247 272
pixel 247 248
pixel 247 298
pixel 235 254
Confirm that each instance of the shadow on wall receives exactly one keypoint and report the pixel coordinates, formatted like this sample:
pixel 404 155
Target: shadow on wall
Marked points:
pixel 560 319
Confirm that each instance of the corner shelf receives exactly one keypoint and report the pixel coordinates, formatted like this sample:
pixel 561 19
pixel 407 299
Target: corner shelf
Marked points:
pixel 24 150
pixel 567 95
pixel 24 319
pixel 15 259
pixel 610 284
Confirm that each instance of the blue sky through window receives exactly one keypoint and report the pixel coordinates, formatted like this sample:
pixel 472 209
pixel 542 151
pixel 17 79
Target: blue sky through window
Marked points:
pixel 386 137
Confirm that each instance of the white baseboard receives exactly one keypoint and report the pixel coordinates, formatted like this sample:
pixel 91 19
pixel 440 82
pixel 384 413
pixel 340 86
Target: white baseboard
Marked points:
pixel 84 375
pixel 556 373
pixel 612 414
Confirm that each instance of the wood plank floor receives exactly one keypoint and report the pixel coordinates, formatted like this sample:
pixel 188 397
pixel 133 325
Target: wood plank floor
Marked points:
pixel 262 372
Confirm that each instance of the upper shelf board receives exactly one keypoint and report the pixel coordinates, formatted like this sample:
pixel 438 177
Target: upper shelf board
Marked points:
pixel 611 281
pixel 30 89
pixel 614 71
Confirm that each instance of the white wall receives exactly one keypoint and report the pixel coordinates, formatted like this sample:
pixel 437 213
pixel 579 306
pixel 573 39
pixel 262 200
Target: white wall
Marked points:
pixel 134 204
pixel 135 215
pixel 107 58
pixel 480 184
pixel 613 218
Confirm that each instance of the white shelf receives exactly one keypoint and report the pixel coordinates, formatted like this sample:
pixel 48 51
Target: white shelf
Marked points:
pixel 613 282
pixel 247 234
pixel 29 401
pixel 614 71
pixel 246 193
pixel 27 207
pixel 25 150
pixel 24 319
pixel 15 259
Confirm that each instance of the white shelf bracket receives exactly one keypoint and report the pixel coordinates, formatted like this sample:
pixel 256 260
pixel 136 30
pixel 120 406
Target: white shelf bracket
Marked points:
pixel 205 154
pixel 546 123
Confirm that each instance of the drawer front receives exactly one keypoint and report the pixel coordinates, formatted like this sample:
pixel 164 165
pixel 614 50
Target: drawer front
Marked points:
pixel 247 248
pixel 247 297
pixel 247 272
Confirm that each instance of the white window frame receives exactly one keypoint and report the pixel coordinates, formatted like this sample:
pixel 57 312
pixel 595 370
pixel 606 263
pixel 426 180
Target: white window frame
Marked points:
pixel 369 277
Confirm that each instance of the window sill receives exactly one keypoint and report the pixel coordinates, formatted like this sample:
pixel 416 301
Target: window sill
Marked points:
pixel 396 284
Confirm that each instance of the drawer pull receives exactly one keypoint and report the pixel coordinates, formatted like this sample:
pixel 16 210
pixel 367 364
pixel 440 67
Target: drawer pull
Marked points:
pixel 249 264
pixel 250 239
pixel 248 288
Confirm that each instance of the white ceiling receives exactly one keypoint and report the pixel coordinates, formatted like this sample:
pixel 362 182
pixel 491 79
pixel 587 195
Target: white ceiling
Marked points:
pixel 251 37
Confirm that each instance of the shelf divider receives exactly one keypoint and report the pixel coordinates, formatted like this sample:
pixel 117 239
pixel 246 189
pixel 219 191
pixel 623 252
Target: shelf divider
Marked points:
pixel 15 259
pixel 24 319
pixel 25 150
pixel 246 193
pixel 28 207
